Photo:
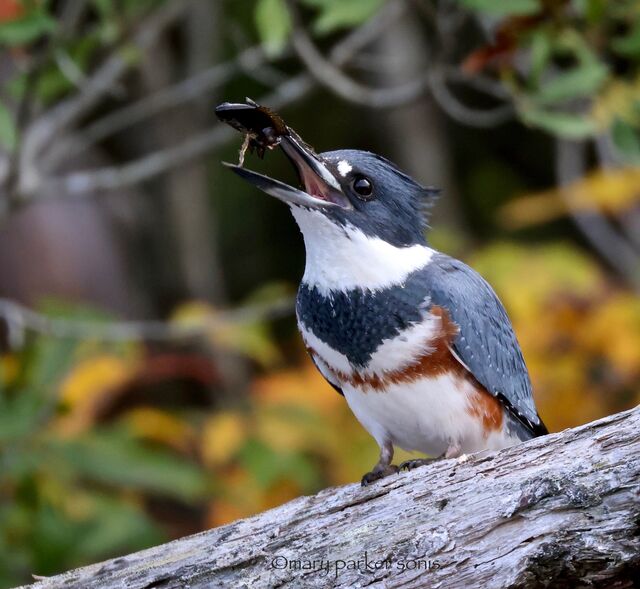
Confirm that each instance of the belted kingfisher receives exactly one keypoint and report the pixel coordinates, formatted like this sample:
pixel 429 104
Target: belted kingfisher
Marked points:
pixel 416 341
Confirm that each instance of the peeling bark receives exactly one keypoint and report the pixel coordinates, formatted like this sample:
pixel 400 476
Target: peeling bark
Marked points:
pixel 558 511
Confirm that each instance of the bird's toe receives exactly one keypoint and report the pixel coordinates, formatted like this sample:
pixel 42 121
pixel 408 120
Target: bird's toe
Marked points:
pixel 377 474
pixel 417 462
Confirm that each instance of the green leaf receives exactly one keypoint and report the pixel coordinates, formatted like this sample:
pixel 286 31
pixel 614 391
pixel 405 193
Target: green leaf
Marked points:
pixel 114 527
pixel 627 140
pixel 52 84
pixel 8 133
pixel 541 52
pixel 52 536
pixel 569 126
pixel 339 14
pixel 47 362
pixel 27 29
pixel 594 10
pixel 115 458
pixel 629 46
pixel 106 9
pixel 273 24
pixel 269 467
pixel 503 7
pixel 578 82
pixel 20 415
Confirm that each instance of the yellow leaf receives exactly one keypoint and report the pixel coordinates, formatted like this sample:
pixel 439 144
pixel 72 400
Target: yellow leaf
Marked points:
pixel 613 332
pixel 606 190
pixel 239 498
pixel 224 511
pixel 250 339
pixel 618 100
pixel 304 387
pixel 160 426
pixel 279 493
pixel 223 434
pixel 9 369
pixel 88 387
pixel 528 278
pixel 193 314
pixel 93 377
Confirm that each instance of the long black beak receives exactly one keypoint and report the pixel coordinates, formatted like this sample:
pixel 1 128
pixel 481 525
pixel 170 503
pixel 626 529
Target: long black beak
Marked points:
pixel 321 188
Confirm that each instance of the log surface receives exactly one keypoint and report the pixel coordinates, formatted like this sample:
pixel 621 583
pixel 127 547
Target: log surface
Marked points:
pixel 558 511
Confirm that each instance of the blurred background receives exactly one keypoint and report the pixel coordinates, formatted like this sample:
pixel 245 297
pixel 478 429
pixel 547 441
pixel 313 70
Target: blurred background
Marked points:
pixel 152 381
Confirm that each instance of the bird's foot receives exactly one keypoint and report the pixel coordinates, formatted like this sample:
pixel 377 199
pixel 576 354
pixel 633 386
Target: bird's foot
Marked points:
pixel 379 473
pixel 418 462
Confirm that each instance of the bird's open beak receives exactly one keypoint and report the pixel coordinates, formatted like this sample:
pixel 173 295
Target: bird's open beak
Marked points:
pixel 321 188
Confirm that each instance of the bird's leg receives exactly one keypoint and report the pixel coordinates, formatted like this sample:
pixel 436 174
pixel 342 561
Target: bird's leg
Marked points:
pixel 384 467
pixel 453 451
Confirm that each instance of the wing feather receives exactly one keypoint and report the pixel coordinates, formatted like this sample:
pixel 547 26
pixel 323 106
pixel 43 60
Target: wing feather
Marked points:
pixel 486 343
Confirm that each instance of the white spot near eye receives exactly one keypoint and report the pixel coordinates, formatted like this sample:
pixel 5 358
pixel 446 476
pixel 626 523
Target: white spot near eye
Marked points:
pixel 344 167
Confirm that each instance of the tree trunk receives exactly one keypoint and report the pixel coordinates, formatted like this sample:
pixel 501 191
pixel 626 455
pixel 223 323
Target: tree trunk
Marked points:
pixel 559 511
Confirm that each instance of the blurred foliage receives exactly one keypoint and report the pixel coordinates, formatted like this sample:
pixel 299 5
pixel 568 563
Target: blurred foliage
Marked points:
pixel 63 67
pixel 608 191
pixel 572 66
pixel 274 24
pixel 79 470
pixel 73 489
pixel 579 333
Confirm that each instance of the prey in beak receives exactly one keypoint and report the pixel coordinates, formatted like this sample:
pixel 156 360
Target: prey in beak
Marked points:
pixel 264 129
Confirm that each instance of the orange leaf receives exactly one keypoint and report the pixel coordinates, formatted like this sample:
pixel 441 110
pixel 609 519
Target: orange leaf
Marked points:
pixel 10 10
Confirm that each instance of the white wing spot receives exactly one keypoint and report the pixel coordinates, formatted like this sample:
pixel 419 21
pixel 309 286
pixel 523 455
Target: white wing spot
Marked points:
pixel 344 167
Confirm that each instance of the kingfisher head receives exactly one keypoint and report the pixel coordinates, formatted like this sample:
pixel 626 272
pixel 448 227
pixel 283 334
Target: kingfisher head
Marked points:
pixel 363 219
pixel 353 189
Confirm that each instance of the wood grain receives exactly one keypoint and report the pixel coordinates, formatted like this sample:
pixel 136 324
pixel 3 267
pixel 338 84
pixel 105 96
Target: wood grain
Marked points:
pixel 558 511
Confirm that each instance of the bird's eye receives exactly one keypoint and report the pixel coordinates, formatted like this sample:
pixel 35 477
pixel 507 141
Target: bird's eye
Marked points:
pixel 362 186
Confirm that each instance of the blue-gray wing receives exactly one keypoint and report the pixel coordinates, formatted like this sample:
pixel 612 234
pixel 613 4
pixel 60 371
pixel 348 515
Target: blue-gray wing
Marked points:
pixel 485 342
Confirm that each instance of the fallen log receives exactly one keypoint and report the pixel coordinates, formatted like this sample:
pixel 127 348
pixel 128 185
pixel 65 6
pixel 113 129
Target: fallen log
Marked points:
pixel 558 511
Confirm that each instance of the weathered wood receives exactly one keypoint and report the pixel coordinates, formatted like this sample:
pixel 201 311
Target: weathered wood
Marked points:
pixel 559 511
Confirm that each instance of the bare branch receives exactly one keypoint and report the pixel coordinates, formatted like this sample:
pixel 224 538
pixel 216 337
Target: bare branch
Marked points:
pixel 461 113
pixel 571 165
pixel 366 33
pixel 333 78
pixel 20 319
pixel 606 151
pixel 186 90
pixel 71 15
pixel 478 82
pixel 265 74
pixel 67 112
pixel 433 80
pixel 84 182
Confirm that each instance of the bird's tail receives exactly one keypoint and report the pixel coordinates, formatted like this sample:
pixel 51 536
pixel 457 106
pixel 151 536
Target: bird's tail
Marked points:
pixel 525 430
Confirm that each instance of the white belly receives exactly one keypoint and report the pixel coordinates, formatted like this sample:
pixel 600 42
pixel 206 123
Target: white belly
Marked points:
pixel 428 415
